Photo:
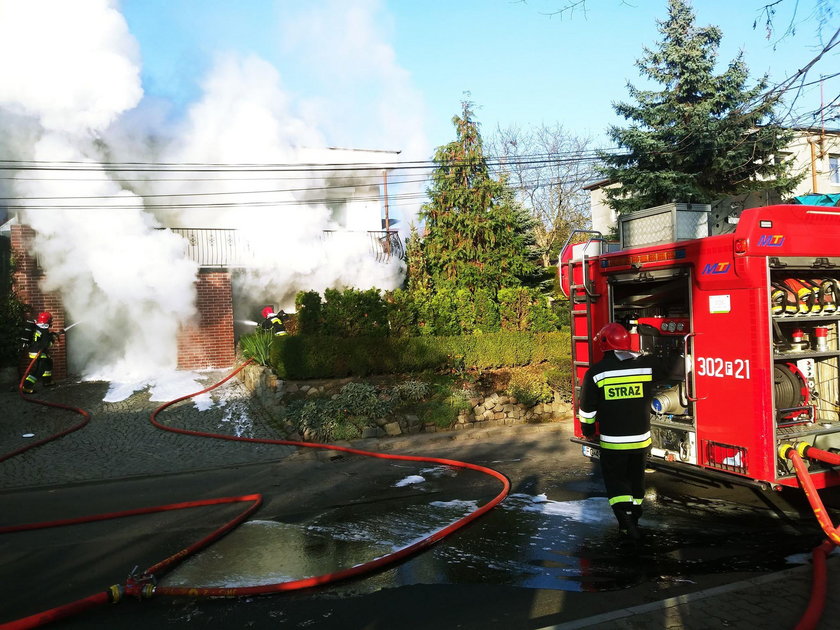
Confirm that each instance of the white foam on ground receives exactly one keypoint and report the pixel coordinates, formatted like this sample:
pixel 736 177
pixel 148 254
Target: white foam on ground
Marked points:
pixel 410 480
pixel 163 388
pixel 591 510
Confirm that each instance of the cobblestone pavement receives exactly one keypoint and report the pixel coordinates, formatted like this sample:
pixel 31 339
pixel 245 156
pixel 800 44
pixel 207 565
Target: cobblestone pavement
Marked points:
pixel 120 441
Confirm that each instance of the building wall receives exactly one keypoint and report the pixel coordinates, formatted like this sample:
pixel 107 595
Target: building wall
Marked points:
pixel 209 343
pixel 811 151
pixel 26 278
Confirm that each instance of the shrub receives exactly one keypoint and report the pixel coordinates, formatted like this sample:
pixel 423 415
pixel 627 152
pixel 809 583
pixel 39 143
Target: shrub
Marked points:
pixel 443 410
pixel 402 313
pixel 308 307
pixel 529 388
pixel 303 357
pixel 343 417
pixel 257 346
pixel 409 391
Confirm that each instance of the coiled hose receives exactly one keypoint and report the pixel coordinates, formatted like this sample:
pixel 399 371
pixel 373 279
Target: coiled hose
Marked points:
pixel 144 585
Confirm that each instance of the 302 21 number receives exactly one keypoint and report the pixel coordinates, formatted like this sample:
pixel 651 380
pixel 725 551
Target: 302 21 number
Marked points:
pixel 721 368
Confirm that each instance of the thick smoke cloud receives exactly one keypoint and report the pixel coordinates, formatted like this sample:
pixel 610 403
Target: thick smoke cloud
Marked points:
pixel 129 284
pixel 74 94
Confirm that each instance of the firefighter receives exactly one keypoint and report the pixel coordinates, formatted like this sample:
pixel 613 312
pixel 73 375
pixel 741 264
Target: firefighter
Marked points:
pixel 615 407
pixel 39 345
pixel 273 322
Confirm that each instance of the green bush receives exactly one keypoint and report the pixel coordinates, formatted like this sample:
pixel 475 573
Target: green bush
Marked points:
pixel 409 392
pixel 343 417
pixel 443 409
pixel 354 313
pixel 257 346
pixel 308 312
pixel 529 388
pixel 12 310
pixel 305 357
pixel 402 313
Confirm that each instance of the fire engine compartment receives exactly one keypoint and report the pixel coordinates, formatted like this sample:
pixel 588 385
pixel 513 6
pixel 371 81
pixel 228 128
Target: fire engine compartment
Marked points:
pixel 752 340
pixel 656 308
pixel 805 314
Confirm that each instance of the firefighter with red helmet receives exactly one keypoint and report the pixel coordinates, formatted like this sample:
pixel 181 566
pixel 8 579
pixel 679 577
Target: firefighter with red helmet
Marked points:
pixel 39 345
pixel 614 406
pixel 273 322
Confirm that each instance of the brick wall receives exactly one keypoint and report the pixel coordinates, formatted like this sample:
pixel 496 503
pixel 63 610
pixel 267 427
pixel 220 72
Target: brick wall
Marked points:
pixel 26 279
pixel 209 343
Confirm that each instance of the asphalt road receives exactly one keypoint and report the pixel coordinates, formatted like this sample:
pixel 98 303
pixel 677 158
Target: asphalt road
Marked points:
pixel 521 566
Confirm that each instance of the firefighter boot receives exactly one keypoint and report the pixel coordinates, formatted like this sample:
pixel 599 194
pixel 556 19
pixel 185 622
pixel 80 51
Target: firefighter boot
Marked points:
pixel 626 524
pixel 636 512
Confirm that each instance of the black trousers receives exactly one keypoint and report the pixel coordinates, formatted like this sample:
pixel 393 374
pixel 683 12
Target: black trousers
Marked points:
pixel 624 478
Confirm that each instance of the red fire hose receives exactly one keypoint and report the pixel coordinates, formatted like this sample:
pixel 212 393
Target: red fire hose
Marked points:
pixel 816 603
pixel 144 586
pixel 85 415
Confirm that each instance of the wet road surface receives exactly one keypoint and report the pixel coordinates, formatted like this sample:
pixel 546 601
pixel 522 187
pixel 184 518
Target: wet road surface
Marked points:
pixel 548 554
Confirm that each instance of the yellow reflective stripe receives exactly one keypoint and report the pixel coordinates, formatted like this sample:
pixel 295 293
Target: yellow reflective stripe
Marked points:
pixel 637 501
pixel 625 446
pixel 586 420
pixel 622 498
pixel 639 378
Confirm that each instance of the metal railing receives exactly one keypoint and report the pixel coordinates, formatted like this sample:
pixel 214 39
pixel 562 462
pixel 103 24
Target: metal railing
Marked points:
pixel 220 247
pixel 215 247
pixel 382 244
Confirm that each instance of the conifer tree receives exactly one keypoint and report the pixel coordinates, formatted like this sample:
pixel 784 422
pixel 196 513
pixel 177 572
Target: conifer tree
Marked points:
pixel 702 136
pixel 476 235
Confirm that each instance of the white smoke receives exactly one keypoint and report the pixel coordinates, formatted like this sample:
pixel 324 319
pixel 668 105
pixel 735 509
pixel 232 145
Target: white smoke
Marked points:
pixel 244 116
pixel 76 85
pixel 129 284
pixel 72 65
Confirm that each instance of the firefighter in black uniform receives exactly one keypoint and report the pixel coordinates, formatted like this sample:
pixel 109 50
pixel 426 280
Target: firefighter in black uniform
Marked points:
pixel 273 322
pixel 39 345
pixel 616 394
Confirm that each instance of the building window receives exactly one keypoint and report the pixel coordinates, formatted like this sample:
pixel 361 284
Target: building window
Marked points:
pixel 834 169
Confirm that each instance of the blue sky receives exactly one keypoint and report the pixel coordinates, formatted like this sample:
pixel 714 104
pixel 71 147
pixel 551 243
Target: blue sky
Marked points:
pixel 346 64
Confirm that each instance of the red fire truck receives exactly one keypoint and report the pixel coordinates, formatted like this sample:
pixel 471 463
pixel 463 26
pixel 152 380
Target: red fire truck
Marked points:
pixel 747 306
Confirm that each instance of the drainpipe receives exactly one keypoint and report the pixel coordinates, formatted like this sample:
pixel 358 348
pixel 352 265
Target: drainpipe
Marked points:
pixel 812 141
pixel 387 219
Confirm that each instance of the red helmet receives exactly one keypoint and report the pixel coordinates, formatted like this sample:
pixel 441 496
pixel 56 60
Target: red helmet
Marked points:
pixel 44 318
pixel 613 337
pixel 267 312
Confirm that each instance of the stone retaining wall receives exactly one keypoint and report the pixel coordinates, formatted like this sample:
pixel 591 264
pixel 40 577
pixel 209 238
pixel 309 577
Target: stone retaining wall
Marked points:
pixel 486 411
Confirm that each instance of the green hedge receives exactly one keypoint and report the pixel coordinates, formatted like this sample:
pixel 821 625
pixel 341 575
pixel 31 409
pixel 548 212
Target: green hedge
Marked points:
pixel 305 356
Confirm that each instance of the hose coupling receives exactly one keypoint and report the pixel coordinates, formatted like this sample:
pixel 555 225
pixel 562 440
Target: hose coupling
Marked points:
pixel 799 447
pixel 142 587
pixel 115 593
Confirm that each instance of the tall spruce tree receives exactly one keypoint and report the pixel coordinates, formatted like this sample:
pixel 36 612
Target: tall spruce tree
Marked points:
pixel 703 136
pixel 476 235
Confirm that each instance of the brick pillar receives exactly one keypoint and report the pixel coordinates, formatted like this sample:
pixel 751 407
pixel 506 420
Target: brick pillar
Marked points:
pixel 210 342
pixel 26 280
